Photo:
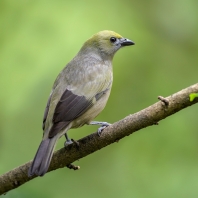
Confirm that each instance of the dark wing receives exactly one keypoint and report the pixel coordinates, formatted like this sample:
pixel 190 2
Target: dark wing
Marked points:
pixel 69 107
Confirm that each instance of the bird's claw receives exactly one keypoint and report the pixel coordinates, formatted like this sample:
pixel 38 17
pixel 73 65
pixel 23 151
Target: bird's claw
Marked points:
pixel 100 129
pixel 68 142
pixel 76 143
pixel 71 141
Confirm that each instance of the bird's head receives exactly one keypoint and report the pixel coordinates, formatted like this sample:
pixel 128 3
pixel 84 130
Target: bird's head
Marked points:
pixel 106 43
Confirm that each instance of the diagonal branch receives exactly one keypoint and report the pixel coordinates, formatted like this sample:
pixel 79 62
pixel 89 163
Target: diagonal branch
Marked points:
pixel 87 145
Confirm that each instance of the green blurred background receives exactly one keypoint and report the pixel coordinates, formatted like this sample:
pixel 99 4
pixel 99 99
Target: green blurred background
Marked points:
pixel 38 38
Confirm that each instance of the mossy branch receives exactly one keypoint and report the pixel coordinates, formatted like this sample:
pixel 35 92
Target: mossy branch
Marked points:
pixel 91 143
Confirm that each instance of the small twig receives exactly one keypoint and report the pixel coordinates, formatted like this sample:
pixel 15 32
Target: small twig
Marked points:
pixel 164 100
pixel 72 166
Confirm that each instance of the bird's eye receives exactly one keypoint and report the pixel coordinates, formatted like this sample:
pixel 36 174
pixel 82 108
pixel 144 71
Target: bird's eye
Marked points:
pixel 113 39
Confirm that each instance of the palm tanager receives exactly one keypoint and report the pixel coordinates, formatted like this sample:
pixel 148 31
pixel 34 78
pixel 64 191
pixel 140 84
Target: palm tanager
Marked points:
pixel 79 94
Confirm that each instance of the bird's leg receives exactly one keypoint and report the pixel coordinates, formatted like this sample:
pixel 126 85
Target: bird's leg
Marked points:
pixel 102 124
pixel 68 140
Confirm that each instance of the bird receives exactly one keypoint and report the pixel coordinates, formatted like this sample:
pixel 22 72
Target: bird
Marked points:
pixel 80 92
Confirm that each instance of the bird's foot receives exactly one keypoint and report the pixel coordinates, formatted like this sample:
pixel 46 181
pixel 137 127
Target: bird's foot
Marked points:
pixel 103 126
pixel 100 129
pixel 70 141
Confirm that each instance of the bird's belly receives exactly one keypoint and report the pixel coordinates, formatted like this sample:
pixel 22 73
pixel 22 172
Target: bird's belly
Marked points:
pixel 91 113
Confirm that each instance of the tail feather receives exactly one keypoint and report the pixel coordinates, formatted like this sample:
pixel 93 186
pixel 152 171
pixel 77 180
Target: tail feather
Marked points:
pixel 43 157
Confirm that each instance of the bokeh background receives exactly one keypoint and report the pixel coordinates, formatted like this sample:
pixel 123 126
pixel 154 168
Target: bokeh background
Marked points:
pixel 38 38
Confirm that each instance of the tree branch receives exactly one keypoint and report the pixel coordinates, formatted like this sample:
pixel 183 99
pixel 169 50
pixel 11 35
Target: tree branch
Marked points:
pixel 87 145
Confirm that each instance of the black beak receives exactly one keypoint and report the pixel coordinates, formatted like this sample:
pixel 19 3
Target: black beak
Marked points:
pixel 126 42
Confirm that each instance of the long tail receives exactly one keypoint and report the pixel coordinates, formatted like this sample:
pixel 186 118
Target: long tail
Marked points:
pixel 43 157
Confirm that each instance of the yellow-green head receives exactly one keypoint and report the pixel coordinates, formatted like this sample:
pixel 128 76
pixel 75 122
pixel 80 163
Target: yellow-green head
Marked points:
pixel 106 43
